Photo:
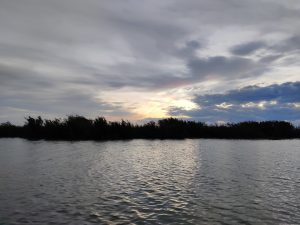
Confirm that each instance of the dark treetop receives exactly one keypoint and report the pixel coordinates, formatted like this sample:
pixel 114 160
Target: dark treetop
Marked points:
pixel 81 128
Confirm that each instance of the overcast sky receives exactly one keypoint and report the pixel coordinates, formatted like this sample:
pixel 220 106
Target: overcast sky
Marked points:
pixel 208 60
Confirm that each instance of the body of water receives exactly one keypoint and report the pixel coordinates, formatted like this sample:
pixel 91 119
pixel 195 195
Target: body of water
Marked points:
pixel 150 182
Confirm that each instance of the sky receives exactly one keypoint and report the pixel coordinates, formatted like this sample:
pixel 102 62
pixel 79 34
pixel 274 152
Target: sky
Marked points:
pixel 207 60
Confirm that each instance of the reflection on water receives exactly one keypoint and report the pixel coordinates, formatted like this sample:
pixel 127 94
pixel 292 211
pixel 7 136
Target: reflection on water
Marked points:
pixel 150 182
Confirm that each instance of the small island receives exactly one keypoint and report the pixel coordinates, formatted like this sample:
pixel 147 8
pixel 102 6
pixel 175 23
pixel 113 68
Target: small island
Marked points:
pixel 77 127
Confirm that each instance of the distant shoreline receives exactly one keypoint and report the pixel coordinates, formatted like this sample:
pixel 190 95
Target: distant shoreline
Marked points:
pixel 79 128
pixel 154 139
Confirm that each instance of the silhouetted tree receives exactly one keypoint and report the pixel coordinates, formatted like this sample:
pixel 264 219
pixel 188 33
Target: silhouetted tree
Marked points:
pixel 33 127
pixel 100 128
pixel 76 127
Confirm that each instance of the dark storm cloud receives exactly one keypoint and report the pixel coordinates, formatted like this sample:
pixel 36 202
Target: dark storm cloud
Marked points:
pixel 282 93
pixel 238 114
pixel 278 102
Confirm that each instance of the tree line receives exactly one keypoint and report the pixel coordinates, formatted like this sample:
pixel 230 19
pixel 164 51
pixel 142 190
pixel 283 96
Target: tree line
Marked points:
pixel 80 128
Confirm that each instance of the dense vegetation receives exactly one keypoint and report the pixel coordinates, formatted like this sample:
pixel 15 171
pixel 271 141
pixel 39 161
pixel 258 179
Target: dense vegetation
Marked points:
pixel 81 128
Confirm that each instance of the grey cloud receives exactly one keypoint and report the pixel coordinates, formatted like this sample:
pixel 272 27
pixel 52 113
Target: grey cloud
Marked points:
pixel 59 103
pixel 221 66
pixel 287 45
pixel 243 13
pixel 22 79
pixel 247 48
pixel 189 49
pixel 147 31
pixel 200 69
pixel 270 58
pixel 25 92
pixel 280 49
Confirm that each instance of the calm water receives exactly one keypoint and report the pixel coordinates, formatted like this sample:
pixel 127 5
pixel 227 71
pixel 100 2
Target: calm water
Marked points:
pixel 150 182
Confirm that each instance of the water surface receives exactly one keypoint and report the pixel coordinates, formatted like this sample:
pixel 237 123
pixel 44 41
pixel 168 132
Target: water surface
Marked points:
pixel 150 182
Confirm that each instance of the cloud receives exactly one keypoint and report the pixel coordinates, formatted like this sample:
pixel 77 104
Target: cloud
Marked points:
pixel 220 66
pixel 53 50
pixel 247 48
pixel 189 49
pixel 290 44
pixel 25 92
pixel 282 93
pixel 236 114
pixel 273 102
pixel 273 51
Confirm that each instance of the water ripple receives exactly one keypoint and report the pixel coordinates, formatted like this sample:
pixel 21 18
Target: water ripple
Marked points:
pixel 149 182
